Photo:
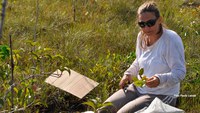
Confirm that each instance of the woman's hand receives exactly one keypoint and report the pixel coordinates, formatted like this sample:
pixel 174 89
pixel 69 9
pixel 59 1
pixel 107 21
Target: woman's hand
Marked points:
pixel 125 79
pixel 153 82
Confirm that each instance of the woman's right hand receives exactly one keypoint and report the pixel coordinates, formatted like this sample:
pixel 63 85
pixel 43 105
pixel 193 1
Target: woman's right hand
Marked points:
pixel 125 80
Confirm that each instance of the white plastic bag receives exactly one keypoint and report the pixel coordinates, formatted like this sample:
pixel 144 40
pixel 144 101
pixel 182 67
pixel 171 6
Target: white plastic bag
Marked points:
pixel 157 106
pixel 88 112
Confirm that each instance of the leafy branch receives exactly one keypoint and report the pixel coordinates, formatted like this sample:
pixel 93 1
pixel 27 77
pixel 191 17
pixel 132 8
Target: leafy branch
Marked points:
pixel 96 104
pixel 140 83
pixel 26 93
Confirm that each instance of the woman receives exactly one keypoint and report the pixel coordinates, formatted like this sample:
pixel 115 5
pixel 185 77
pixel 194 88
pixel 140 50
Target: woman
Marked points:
pixel 160 52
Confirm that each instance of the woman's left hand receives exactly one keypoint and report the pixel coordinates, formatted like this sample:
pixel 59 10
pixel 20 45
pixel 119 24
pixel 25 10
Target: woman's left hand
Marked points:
pixel 153 82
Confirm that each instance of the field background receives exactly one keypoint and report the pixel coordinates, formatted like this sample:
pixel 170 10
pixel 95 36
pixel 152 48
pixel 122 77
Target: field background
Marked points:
pixel 93 37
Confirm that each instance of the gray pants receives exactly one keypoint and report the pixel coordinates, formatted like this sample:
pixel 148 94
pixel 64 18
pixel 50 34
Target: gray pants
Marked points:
pixel 131 100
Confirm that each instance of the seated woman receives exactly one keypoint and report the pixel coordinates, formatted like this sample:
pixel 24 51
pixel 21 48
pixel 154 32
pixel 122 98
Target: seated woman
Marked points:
pixel 160 52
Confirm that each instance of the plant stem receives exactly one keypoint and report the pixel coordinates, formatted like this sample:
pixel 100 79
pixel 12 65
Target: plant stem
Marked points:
pixel 4 2
pixel 74 9
pixel 12 70
pixel 36 21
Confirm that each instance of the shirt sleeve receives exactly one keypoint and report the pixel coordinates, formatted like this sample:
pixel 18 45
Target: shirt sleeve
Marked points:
pixel 133 69
pixel 174 55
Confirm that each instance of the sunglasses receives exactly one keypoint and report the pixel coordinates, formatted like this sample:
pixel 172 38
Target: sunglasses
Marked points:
pixel 148 23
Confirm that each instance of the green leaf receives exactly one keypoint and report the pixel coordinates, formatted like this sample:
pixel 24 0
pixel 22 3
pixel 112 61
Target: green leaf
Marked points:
pixel 36 56
pixel 107 104
pixel 3 75
pixel 19 93
pixel 141 71
pixel 94 101
pixel 58 57
pixel 15 89
pixel 48 56
pixel 134 79
pixel 32 43
pixel 8 101
pixel 4 51
pixel 91 104
pixel 144 78
pixel 1 103
pixel 139 83
pixel 47 49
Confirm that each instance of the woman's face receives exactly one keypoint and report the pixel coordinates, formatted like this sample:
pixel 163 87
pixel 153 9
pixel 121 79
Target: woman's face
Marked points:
pixel 149 24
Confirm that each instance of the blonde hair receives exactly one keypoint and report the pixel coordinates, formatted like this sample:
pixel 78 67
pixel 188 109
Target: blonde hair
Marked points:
pixel 149 6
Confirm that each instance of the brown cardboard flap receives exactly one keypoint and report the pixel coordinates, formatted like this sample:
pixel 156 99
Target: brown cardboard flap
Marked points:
pixel 75 83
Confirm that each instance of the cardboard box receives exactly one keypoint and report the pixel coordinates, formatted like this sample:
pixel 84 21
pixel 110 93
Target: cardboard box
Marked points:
pixel 73 82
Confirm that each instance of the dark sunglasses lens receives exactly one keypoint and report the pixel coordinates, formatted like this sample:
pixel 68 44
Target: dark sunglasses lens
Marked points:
pixel 141 24
pixel 150 23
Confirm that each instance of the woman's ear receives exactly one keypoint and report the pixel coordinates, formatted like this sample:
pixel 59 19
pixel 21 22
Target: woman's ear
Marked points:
pixel 160 19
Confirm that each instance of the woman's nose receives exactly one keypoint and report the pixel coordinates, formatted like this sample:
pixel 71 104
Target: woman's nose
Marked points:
pixel 146 28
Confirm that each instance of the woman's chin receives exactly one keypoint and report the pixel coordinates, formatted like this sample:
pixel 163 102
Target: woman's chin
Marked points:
pixel 149 34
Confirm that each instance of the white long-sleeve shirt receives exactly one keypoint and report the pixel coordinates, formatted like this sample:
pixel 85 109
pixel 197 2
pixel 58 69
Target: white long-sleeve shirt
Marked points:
pixel 164 59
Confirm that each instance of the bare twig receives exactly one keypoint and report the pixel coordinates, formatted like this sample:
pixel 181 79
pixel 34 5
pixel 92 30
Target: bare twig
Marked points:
pixel 4 2
pixel 35 28
pixel 12 71
pixel 36 20
pixel 74 9
pixel 8 90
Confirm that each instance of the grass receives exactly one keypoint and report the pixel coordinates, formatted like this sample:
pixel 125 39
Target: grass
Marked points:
pixel 99 43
